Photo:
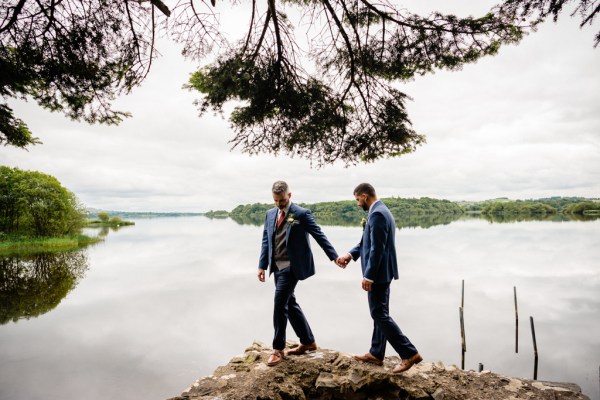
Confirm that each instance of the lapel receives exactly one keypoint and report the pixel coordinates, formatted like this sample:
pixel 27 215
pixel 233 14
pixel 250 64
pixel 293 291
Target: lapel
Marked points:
pixel 288 226
pixel 273 219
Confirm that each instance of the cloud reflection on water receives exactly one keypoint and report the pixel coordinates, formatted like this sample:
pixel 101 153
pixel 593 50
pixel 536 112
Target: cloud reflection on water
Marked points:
pixel 173 298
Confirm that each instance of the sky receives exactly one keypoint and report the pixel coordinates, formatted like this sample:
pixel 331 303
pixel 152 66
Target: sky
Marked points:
pixel 522 124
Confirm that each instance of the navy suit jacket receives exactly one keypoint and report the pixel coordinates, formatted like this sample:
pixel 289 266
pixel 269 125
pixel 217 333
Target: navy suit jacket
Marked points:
pixel 377 248
pixel 297 242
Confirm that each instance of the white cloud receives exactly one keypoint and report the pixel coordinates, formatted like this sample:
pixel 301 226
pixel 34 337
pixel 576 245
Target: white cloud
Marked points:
pixel 522 124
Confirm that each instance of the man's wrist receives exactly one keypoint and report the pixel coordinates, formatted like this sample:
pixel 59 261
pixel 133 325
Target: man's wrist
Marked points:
pixel 368 280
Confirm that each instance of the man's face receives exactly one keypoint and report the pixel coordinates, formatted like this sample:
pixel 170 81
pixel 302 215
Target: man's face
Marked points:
pixel 361 201
pixel 281 200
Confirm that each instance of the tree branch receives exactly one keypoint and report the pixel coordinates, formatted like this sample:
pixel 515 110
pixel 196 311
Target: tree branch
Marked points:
pixel 250 29
pixel 277 33
pixel 161 6
pixel 18 8
pixel 342 32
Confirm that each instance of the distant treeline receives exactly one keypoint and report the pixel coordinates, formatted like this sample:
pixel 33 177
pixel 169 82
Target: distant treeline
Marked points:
pixel 347 213
pixel 541 207
pixel 425 211
pixel 217 214
pixel 91 214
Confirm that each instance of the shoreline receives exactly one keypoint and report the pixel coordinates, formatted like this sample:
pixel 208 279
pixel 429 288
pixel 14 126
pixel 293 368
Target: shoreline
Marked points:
pixel 31 245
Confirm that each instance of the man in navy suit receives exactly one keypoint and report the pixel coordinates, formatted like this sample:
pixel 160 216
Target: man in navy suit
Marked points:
pixel 285 251
pixel 377 252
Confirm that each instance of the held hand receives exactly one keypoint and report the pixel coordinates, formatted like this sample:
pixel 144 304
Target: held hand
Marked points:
pixel 366 285
pixel 261 274
pixel 342 261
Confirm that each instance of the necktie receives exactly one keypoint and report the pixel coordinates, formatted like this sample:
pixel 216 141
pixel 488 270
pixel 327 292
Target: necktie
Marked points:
pixel 280 220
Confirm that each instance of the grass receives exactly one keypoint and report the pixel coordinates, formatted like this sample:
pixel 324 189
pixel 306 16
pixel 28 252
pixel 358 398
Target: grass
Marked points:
pixel 13 244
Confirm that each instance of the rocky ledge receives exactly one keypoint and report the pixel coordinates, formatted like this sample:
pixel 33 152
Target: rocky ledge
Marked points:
pixel 329 374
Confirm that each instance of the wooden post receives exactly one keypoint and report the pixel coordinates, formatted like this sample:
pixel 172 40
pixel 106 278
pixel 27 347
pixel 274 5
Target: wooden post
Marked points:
pixel 462 326
pixel 516 322
pixel 462 337
pixel 535 351
pixel 462 297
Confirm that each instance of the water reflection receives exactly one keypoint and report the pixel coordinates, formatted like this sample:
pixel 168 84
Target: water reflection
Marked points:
pixel 547 217
pixel 172 299
pixel 252 219
pixel 33 284
pixel 104 230
pixel 411 221
pixel 425 220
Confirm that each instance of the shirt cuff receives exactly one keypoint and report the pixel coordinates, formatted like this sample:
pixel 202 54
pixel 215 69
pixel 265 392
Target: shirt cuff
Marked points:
pixel 368 280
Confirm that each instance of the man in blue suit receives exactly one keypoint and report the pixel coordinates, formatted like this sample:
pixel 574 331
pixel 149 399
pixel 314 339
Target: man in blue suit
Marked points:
pixel 285 251
pixel 377 252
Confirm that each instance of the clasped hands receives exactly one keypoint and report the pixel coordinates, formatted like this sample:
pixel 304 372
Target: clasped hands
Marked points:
pixel 342 261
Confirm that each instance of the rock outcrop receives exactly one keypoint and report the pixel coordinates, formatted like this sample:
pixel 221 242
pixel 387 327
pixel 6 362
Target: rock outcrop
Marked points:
pixel 329 374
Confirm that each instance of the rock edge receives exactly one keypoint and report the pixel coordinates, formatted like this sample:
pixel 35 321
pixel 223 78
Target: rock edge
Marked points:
pixel 329 374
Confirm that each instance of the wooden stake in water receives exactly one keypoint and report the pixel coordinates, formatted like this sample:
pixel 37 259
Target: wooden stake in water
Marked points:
pixel 462 336
pixel 535 365
pixel 462 297
pixel 516 322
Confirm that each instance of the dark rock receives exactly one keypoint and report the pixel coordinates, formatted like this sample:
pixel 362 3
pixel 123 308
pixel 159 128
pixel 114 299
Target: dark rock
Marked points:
pixel 331 375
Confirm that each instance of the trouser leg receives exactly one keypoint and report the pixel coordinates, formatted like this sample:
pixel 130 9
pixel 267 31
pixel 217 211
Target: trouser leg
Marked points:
pixel 299 322
pixel 286 308
pixel 386 327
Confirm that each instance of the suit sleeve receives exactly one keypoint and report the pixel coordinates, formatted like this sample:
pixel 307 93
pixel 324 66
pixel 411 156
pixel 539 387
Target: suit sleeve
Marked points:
pixel 310 225
pixel 263 261
pixel 379 237
pixel 355 251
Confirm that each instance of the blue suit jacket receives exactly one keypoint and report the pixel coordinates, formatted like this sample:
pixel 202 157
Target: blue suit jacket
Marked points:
pixel 377 248
pixel 297 242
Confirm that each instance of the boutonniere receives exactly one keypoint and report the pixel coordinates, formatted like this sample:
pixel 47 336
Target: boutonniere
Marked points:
pixel 291 219
pixel 363 222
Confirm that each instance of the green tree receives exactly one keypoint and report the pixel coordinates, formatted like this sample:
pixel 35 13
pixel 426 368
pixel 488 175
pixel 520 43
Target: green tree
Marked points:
pixel 71 56
pixel 36 204
pixel 103 216
pixel 333 100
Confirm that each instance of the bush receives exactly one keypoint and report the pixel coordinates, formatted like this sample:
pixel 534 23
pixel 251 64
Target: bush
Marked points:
pixel 35 204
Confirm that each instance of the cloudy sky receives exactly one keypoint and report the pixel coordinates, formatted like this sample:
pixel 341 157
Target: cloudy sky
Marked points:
pixel 522 124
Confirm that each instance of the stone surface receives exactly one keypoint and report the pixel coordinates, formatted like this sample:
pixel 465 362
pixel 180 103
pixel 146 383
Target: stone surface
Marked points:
pixel 331 375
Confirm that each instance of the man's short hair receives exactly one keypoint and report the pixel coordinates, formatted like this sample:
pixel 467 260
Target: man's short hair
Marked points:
pixel 365 188
pixel 280 187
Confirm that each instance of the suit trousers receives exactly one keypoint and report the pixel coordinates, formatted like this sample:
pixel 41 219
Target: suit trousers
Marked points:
pixel 286 308
pixel 385 328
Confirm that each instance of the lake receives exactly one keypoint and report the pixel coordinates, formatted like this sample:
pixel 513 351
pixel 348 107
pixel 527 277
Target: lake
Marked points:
pixel 162 303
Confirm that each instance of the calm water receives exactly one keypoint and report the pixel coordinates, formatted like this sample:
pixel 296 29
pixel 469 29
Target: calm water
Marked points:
pixel 162 303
